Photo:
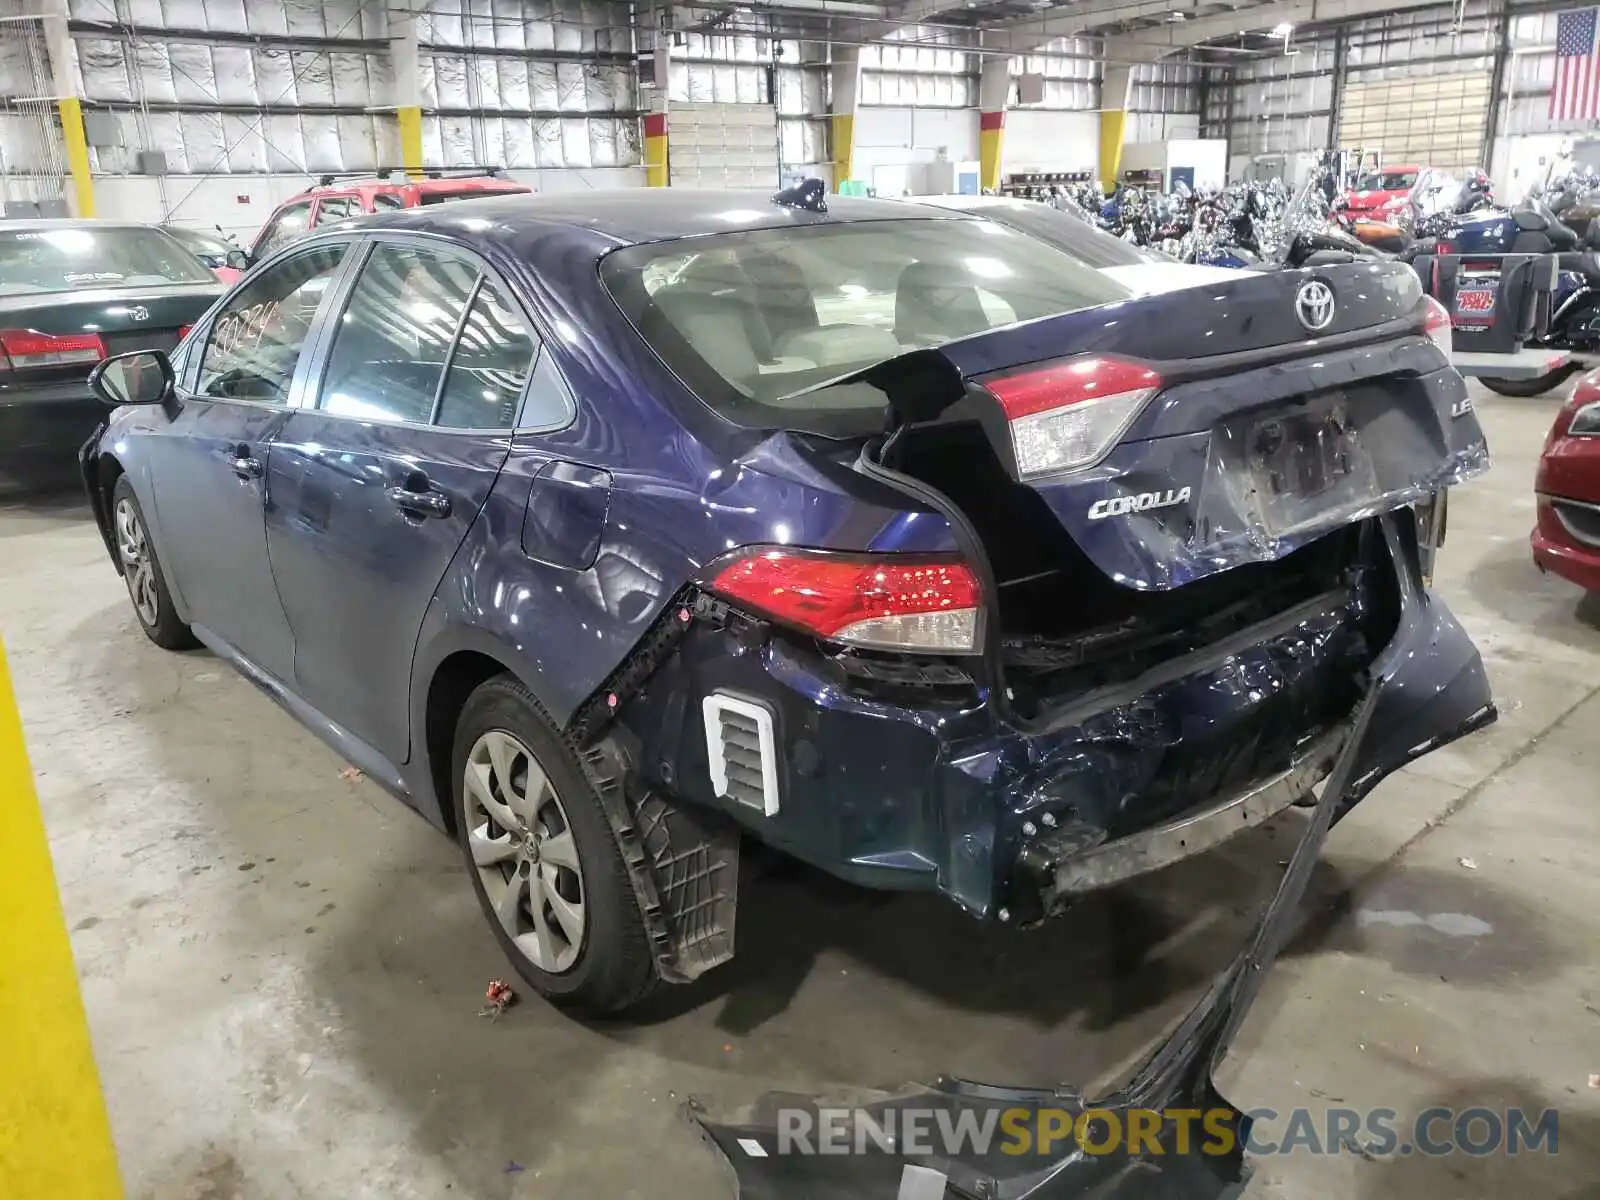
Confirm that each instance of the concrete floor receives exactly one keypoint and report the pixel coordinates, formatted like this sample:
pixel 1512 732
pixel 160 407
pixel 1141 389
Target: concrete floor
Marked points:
pixel 282 965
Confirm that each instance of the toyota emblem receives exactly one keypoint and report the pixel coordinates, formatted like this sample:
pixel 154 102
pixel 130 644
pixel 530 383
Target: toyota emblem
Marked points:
pixel 140 313
pixel 1313 304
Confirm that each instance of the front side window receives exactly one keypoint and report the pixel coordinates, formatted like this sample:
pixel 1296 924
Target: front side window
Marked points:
pixel 256 340
pixel 752 320
pixel 72 258
pixel 489 369
pixel 394 339
pixel 284 228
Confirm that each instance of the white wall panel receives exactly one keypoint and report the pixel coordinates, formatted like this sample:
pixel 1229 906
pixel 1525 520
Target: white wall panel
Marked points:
pixel 890 138
pixel 1039 139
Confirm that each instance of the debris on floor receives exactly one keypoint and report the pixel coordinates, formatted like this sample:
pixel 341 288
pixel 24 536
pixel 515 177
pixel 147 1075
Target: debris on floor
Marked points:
pixel 1470 864
pixel 1594 1081
pixel 497 999
pixel 352 775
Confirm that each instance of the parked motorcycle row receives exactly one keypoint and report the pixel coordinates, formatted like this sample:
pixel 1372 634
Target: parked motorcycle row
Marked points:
pixel 1265 225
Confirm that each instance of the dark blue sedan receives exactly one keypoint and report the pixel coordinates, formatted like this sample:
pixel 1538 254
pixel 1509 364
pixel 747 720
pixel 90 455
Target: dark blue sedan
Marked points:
pixel 608 530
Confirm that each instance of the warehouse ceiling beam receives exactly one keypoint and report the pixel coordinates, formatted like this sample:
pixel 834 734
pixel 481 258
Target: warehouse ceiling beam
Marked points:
pixel 1026 34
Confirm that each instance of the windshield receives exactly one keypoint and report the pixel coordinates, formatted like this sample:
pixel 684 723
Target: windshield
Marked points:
pixel 201 242
pixel 751 320
pixel 73 258
pixel 1389 181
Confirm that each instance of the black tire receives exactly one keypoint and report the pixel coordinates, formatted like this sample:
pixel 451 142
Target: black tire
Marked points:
pixel 615 969
pixel 1524 388
pixel 165 630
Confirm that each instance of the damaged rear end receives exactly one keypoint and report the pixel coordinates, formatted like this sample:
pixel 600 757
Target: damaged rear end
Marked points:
pixel 1131 604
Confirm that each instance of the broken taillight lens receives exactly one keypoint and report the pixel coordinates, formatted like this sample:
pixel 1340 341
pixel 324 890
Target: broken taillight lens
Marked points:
pixel 1437 325
pixel 879 601
pixel 24 348
pixel 1068 414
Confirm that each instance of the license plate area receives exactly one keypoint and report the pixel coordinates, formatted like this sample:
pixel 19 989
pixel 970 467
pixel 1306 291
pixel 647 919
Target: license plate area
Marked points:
pixel 1278 471
pixel 1305 463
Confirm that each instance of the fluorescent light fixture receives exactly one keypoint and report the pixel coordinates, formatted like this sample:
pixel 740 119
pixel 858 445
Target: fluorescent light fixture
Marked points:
pixel 1282 29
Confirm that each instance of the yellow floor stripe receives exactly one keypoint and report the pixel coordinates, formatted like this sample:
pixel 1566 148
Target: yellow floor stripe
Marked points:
pixel 55 1141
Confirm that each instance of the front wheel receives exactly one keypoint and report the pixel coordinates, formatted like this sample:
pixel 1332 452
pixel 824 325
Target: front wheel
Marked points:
pixel 544 862
pixel 141 571
pixel 1524 388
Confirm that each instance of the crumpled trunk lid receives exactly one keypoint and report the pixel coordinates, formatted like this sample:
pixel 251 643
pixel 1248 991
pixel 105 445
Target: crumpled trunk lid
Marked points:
pixel 1271 440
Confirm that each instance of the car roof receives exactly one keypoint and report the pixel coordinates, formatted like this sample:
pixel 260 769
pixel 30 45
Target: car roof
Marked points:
pixel 21 223
pixel 628 216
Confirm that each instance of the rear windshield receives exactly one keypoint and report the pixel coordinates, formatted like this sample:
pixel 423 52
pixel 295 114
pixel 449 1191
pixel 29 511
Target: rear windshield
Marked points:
pixel 750 320
pixel 1072 234
pixel 75 258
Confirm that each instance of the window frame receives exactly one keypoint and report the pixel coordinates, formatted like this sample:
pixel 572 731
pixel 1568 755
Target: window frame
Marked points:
pixel 188 381
pixel 365 244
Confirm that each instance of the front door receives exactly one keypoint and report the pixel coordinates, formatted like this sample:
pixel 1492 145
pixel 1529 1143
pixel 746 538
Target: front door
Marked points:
pixel 375 486
pixel 209 469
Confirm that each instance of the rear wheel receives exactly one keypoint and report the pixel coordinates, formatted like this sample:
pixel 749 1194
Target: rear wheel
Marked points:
pixel 1537 386
pixel 141 571
pixel 545 865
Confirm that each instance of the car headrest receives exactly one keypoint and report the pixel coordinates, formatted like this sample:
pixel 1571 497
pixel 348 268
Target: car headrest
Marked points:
pixel 932 304
pixel 717 326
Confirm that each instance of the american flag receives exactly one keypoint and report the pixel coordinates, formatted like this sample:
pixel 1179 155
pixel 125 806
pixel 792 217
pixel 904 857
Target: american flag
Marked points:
pixel 1576 94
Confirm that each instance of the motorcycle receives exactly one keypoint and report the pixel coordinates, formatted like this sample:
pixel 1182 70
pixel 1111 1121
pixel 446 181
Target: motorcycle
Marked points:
pixel 1539 226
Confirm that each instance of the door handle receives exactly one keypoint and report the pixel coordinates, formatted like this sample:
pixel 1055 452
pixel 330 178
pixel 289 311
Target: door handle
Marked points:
pixel 245 465
pixel 417 502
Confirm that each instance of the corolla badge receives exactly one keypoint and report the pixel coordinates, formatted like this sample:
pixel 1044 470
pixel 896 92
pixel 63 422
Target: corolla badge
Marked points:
pixel 1137 502
pixel 138 313
pixel 1313 304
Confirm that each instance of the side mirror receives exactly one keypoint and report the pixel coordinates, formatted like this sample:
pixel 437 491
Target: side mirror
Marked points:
pixel 238 260
pixel 140 377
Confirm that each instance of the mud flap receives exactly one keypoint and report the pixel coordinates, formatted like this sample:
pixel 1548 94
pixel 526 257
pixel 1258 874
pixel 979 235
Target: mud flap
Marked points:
pixel 683 863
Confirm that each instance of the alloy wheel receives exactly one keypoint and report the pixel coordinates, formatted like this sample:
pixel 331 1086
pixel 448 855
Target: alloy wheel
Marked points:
pixel 137 566
pixel 523 848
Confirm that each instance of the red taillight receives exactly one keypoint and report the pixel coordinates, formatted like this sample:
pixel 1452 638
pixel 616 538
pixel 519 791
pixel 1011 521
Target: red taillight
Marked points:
pixel 183 331
pixel 1066 415
pixel 884 601
pixel 25 348
pixel 1436 324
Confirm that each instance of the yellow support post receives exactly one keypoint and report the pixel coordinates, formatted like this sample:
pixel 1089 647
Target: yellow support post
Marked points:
pixel 410 119
pixel 844 147
pixel 55 1140
pixel 1112 122
pixel 656 162
pixel 991 140
pixel 77 154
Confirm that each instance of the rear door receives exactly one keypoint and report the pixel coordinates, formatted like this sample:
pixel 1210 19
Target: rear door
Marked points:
pixel 208 465
pixel 375 486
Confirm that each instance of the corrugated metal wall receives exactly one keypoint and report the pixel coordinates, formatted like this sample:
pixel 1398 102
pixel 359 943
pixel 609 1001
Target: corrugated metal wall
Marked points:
pixel 223 86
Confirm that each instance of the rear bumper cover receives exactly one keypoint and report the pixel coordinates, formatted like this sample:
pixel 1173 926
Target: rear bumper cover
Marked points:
pixel 1425 688
pixel 40 427
pixel 944 798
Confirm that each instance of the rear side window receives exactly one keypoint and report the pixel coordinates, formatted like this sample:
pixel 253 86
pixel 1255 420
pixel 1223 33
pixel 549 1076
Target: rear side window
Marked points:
pixel 489 369
pixel 394 339
pixel 752 320
pixel 384 201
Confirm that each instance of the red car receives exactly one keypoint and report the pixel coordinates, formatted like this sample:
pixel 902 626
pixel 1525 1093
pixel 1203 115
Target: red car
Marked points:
pixel 334 199
pixel 1566 539
pixel 1383 192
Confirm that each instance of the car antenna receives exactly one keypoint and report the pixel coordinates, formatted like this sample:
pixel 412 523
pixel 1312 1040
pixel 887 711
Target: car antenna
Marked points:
pixel 809 194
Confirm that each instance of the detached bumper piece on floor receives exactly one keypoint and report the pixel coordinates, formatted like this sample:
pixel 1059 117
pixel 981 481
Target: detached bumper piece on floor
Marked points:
pixel 1428 687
